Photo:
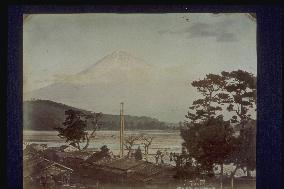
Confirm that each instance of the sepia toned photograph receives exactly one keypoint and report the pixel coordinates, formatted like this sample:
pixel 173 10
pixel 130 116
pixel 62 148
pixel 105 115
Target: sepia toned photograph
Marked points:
pixel 126 101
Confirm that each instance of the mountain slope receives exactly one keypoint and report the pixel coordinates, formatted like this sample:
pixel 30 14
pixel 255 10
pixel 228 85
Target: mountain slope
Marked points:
pixel 46 114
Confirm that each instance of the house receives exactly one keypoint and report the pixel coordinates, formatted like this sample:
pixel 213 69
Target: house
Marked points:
pixel 45 172
pixel 36 147
pixel 51 154
pixel 126 170
pixel 97 156
pixel 151 173
pixel 73 159
pixel 106 169
pixel 54 148
pixel 33 150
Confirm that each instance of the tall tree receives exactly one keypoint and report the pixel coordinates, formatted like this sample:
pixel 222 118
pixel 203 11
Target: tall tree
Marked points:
pixel 146 141
pixel 74 128
pixel 241 87
pixel 206 135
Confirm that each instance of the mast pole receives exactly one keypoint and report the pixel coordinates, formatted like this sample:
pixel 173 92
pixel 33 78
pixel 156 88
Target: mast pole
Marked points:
pixel 121 130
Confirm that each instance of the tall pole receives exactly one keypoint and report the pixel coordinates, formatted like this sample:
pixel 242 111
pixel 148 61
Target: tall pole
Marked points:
pixel 121 129
pixel 221 176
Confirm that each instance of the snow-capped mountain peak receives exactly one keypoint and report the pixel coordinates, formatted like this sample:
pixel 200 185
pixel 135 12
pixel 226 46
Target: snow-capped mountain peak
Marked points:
pixel 119 66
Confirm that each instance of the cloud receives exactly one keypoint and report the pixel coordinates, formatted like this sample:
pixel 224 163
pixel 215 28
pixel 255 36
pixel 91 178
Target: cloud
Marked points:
pixel 221 31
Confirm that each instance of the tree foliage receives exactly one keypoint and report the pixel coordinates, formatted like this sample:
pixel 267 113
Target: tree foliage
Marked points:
pixel 244 154
pixel 208 138
pixel 129 143
pixel 146 141
pixel 209 142
pixel 208 105
pixel 241 86
pixel 74 127
pixel 138 154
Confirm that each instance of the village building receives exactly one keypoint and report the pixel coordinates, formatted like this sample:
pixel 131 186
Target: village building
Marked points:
pixel 31 151
pixel 56 148
pixel 33 147
pixel 73 159
pixel 50 154
pixel 45 172
pixel 126 170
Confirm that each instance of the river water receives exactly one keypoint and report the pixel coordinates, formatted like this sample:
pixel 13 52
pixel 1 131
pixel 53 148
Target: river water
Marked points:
pixel 165 141
pixel 169 141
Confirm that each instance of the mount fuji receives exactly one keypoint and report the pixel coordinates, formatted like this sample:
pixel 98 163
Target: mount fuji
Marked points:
pixel 117 77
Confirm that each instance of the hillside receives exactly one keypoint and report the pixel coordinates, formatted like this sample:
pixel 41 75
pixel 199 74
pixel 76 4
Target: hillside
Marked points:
pixel 46 114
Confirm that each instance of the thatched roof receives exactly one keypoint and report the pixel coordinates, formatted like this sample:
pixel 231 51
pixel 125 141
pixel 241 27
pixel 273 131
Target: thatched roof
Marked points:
pixel 125 163
pixel 75 155
pixel 36 166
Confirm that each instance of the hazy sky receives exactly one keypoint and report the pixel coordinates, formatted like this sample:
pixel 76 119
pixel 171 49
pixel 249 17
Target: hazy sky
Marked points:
pixel 184 45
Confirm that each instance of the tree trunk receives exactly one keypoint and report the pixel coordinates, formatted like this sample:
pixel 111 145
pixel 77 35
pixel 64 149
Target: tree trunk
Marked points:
pixel 87 143
pixel 248 173
pixel 221 176
pixel 128 153
pixel 78 146
pixel 89 137
pixel 146 153
pixel 232 182
pixel 232 176
pixel 234 172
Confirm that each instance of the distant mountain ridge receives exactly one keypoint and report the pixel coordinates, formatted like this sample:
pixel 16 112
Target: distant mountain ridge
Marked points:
pixel 44 115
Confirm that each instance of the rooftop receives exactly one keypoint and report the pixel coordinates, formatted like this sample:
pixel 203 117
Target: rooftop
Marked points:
pixel 124 163
pixel 75 154
pixel 36 165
